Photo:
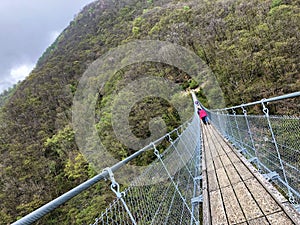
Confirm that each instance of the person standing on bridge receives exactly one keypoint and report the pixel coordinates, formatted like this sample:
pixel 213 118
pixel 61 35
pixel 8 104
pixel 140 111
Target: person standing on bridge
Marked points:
pixel 203 116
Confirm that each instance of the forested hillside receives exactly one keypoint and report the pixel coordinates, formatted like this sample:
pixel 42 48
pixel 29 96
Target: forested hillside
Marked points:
pixel 6 94
pixel 252 46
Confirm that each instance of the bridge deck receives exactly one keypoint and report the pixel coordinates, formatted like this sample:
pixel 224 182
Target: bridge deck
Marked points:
pixel 234 192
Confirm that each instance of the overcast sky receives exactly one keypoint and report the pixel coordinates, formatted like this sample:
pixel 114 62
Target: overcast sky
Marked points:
pixel 27 28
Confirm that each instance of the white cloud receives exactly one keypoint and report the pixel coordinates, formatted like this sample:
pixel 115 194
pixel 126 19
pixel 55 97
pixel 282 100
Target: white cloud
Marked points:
pixel 16 74
pixel 19 73
pixel 53 36
pixel 27 29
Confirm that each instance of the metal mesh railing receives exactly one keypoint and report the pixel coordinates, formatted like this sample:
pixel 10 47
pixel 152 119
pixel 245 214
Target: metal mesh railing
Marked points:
pixel 168 191
pixel 271 143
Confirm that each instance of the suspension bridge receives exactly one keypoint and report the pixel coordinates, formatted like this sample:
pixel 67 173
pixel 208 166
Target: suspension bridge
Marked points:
pixel 240 169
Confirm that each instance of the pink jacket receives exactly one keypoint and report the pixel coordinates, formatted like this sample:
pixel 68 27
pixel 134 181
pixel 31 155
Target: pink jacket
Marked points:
pixel 202 113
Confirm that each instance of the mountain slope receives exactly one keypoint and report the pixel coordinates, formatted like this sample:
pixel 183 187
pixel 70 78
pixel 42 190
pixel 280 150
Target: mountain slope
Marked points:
pixel 251 46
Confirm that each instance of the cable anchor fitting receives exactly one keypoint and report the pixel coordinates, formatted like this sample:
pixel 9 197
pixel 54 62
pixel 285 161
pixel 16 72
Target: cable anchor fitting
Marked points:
pixel 115 187
pixel 244 110
pixel 177 132
pixel 170 139
pixel 265 109
pixel 156 152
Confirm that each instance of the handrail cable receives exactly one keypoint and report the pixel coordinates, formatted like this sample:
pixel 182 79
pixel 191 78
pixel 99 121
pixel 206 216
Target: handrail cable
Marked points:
pixel 50 206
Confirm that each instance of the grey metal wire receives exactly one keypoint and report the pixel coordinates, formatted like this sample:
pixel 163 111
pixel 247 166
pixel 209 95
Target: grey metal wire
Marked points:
pixel 163 193
pixel 117 205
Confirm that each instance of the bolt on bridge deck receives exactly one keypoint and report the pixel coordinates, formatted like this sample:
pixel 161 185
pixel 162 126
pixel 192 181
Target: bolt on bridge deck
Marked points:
pixel 233 190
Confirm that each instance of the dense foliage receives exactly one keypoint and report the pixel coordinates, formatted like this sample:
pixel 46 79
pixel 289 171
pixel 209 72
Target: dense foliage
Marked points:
pixel 6 94
pixel 252 46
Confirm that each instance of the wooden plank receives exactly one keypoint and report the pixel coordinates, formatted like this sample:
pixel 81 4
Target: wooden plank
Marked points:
pixel 262 197
pixel 213 151
pixel 227 149
pixel 243 170
pixel 279 218
pixel 232 207
pixel 212 146
pixel 291 212
pixel 279 198
pixel 249 206
pixel 212 181
pixel 218 216
pixel 276 194
pixel 218 163
pixel 207 149
pixel 220 139
pixel 220 149
pixel 206 213
pixel 205 141
pixel 225 145
pixel 225 160
pixel 232 174
pixel 204 167
pixel 209 165
pixel 222 178
pixel 233 157
pixel 259 221
pixel 221 152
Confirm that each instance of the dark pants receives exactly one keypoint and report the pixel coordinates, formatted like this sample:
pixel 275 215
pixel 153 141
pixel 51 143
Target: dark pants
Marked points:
pixel 205 120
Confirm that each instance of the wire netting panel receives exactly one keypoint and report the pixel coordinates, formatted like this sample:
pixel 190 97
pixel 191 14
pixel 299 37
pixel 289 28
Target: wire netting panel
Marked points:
pixel 163 193
pixel 287 134
pixel 264 145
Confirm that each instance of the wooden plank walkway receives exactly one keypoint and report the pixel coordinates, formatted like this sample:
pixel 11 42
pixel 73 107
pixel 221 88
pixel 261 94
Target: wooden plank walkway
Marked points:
pixel 233 190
